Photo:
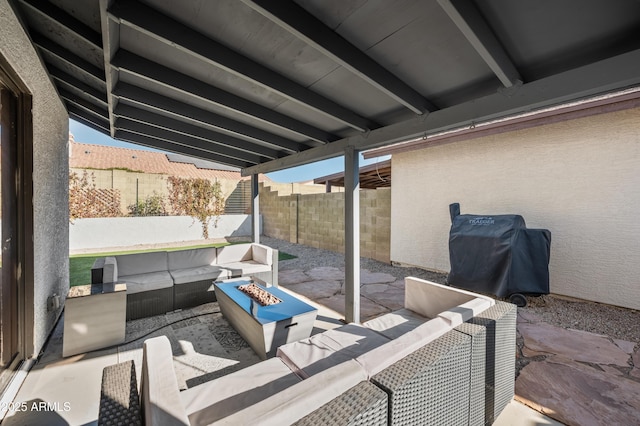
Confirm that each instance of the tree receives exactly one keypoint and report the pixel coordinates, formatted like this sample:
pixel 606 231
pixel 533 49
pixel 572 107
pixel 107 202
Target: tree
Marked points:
pixel 199 198
pixel 85 200
pixel 153 205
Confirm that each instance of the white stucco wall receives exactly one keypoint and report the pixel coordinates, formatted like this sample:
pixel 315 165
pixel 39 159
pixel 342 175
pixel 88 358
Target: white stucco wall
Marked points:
pixel 114 232
pixel 580 179
pixel 50 172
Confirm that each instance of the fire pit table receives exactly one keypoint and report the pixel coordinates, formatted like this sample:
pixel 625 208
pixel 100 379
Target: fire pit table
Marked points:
pixel 267 327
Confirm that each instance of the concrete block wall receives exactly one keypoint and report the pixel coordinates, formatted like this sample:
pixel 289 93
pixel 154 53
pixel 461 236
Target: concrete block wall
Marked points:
pixel 146 183
pixel 317 220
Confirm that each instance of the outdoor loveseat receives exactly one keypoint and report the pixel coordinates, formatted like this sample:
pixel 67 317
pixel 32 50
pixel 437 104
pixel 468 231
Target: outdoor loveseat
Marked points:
pixel 447 358
pixel 163 281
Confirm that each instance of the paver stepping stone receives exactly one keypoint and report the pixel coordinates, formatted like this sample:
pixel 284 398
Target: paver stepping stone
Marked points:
pixel 316 289
pixel 578 394
pixel 398 283
pixel 367 277
pixel 625 345
pixel 326 273
pixel 385 295
pixel 572 344
pixel 368 309
pixel 292 276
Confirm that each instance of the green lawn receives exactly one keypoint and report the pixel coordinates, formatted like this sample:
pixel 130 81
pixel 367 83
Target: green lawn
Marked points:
pixel 80 265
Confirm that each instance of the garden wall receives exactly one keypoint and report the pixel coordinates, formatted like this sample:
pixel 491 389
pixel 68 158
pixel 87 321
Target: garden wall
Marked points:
pixel 118 232
pixel 317 220
pixel 579 179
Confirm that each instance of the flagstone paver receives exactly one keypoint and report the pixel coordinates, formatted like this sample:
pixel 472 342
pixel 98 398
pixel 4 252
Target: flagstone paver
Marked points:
pixel 315 290
pixel 368 277
pixel 579 394
pixel 368 309
pixel 292 276
pixel 582 346
pixel 326 273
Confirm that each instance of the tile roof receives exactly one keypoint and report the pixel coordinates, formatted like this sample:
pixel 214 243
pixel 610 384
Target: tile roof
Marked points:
pixel 91 156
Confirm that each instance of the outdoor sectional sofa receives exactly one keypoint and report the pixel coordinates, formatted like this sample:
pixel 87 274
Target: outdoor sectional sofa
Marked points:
pixel 163 281
pixel 447 358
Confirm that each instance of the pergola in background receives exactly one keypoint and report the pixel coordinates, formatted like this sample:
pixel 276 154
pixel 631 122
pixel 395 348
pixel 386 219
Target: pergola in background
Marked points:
pixel 265 85
pixel 372 176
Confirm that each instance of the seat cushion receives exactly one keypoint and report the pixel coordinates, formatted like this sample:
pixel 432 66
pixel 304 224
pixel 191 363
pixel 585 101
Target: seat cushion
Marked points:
pixel 234 253
pixel 217 399
pixel 193 258
pixel 147 282
pixel 396 323
pixel 141 263
pixel 200 273
pixel 295 402
pixel 322 351
pixel 247 267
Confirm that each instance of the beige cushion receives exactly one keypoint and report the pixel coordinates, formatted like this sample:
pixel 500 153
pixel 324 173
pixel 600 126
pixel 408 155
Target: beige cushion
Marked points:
pixel 317 353
pixel 247 267
pixel 161 402
pixel 141 263
pixel 217 399
pixel 200 273
pixel 110 270
pixel 262 254
pixel 147 282
pixel 184 259
pixel 464 312
pixel 429 299
pixel 234 253
pixel 396 323
pixel 295 402
pixel 377 359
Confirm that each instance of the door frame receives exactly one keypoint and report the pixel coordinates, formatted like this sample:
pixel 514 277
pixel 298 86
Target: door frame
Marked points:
pixel 25 223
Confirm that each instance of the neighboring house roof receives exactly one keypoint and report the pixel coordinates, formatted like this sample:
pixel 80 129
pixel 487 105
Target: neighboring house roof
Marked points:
pixel 373 176
pixel 91 156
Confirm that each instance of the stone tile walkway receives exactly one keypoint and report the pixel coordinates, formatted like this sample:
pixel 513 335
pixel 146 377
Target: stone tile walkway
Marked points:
pixel 576 377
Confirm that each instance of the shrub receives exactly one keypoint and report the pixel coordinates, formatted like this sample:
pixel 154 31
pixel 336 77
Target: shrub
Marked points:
pixel 153 205
pixel 199 198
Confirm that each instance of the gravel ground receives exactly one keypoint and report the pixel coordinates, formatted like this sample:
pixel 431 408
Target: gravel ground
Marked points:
pixel 612 321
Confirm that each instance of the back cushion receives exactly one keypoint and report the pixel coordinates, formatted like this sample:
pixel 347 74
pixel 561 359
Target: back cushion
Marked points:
pixel 160 400
pixel 183 259
pixel 234 253
pixel 141 263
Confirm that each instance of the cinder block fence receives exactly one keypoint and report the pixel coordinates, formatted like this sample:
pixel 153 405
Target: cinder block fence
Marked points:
pixel 317 219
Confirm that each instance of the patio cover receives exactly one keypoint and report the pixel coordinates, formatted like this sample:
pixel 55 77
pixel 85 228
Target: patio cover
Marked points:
pixel 265 85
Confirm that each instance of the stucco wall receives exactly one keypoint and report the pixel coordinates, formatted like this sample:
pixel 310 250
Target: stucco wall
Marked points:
pixel 50 172
pixel 580 179
pixel 113 232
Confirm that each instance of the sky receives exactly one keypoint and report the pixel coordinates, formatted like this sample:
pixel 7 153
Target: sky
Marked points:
pixel 84 134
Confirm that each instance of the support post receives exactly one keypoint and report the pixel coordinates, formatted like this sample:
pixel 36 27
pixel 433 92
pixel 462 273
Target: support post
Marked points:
pixel 255 209
pixel 352 234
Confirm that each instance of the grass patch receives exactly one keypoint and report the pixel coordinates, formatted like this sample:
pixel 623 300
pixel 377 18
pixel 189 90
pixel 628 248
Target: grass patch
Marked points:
pixel 80 264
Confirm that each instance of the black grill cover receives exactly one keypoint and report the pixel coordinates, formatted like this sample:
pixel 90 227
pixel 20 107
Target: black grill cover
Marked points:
pixel 497 254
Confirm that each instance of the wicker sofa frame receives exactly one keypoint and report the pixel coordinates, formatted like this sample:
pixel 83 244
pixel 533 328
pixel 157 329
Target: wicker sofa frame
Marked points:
pixel 120 403
pixel 464 377
pixel 160 301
